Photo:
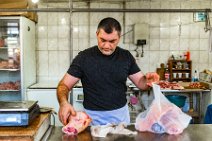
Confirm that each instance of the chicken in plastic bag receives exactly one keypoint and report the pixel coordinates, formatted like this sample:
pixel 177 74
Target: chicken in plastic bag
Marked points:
pixel 77 124
pixel 162 116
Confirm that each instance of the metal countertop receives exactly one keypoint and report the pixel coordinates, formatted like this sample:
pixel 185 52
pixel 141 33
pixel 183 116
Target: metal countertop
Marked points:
pixel 194 132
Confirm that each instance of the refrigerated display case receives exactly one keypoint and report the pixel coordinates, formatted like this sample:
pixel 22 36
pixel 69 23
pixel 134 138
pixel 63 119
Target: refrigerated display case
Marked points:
pixel 17 57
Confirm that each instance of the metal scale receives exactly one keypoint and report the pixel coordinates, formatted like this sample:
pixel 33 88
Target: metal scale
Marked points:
pixel 18 113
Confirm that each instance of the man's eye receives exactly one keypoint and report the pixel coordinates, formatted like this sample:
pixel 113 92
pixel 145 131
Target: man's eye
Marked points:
pixel 113 41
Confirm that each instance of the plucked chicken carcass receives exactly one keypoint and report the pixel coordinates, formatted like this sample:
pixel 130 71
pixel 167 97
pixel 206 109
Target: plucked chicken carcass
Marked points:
pixel 77 124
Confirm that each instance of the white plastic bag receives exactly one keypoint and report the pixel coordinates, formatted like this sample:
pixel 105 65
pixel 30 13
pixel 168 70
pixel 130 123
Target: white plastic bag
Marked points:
pixel 162 116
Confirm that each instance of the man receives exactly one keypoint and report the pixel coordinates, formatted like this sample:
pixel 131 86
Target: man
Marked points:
pixel 103 71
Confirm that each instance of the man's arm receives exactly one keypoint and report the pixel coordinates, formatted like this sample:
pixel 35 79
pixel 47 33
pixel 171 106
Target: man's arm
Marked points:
pixel 144 81
pixel 64 86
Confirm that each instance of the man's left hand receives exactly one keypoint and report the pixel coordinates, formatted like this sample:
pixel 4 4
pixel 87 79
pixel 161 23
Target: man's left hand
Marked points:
pixel 152 77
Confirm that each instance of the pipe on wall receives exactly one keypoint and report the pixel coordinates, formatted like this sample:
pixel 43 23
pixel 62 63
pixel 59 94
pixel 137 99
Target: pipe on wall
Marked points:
pixel 103 10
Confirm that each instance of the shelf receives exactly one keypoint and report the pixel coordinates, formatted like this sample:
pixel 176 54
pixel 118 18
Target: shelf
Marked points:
pixel 181 69
pixel 180 78
pixel 9 69
pixel 180 61
pixel 10 90
pixel 9 47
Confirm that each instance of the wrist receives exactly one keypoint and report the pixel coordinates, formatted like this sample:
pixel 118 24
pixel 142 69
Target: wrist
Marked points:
pixel 63 103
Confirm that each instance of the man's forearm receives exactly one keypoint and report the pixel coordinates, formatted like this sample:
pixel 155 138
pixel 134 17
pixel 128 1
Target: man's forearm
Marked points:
pixel 62 93
pixel 143 83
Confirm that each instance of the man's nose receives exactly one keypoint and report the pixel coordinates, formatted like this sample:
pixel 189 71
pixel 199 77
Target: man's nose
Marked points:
pixel 107 44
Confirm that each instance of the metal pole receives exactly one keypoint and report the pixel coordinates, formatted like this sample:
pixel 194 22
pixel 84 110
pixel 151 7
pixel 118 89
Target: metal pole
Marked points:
pixel 140 10
pixel 71 28
pixel 103 10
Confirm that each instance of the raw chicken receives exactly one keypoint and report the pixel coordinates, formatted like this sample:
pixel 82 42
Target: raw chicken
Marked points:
pixel 162 116
pixel 77 124
pixel 103 130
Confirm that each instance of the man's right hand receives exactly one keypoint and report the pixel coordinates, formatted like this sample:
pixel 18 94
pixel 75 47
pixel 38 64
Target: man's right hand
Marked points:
pixel 65 112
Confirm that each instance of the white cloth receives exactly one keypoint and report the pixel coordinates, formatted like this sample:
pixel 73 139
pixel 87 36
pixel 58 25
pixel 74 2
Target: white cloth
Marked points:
pixel 103 130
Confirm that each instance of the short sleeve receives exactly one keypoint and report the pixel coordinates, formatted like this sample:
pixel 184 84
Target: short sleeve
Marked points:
pixel 133 65
pixel 75 68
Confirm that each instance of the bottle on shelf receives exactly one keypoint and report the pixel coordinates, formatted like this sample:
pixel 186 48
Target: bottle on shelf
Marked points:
pixel 195 77
pixel 187 55
pixel 167 74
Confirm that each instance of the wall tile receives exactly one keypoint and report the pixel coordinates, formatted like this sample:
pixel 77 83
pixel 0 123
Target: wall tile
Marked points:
pixel 164 44
pixel 164 55
pixel 64 44
pixel 195 56
pixel 53 63
pixel 53 31
pixel 194 33
pixel 42 44
pixel 164 19
pixel 185 30
pixel 52 44
pixel 154 19
pixel 154 57
pixel 83 31
pixel 184 44
pixel 175 18
pixel 42 19
pixel 63 19
pixel 52 19
pixel 165 32
pixel 155 5
pixel 174 31
pixel 203 33
pixel 203 57
pixel 42 63
pixel 154 32
pixel 144 68
pixel 64 32
pixel 154 44
pixel 174 44
pixel 194 44
pixel 42 32
pixel 165 37
pixel 165 5
pixel 64 61
pixel 83 44
pixel 204 44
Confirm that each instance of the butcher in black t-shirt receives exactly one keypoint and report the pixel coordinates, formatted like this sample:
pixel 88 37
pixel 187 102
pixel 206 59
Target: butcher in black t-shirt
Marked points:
pixel 103 71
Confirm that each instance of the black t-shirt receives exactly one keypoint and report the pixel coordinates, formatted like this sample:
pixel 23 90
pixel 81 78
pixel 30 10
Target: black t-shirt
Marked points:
pixel 103 77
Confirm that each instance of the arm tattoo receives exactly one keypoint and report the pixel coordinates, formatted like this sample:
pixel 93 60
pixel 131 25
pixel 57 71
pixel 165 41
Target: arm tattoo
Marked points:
pixel 62 92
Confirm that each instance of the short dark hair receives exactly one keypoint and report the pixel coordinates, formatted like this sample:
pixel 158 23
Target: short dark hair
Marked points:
pixel 109 24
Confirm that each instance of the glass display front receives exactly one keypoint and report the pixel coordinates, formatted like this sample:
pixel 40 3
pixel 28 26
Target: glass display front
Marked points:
pixel 9 58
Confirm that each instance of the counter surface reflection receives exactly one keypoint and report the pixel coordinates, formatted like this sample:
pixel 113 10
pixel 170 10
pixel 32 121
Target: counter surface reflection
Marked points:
pixel 195 132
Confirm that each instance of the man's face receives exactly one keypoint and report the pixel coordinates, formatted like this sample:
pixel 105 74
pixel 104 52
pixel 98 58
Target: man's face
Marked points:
pixel 107 43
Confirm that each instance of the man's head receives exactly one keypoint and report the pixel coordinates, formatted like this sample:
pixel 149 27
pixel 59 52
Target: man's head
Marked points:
pixel 108 35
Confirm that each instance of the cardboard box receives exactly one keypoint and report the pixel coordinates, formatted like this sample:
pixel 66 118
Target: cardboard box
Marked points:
pixel 205 77
pixel 16 4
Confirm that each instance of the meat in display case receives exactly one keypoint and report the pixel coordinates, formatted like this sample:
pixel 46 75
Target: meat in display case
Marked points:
pixel 17 57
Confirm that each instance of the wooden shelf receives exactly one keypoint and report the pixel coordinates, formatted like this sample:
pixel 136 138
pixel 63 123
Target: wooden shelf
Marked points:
pixel 180 67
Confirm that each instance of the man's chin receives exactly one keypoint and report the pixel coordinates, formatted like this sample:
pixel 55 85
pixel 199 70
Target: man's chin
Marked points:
pixel 106 52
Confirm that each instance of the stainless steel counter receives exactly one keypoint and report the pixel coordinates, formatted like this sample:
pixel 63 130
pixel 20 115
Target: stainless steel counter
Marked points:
pixel 194 132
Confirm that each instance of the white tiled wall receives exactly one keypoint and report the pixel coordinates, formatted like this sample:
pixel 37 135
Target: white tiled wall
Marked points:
pixel 170 33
